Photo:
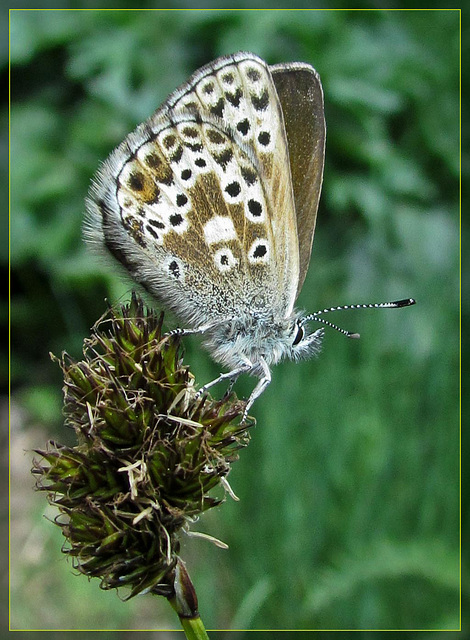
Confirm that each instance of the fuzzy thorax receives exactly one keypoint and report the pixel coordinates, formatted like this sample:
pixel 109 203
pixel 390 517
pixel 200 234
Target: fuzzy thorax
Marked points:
pixel 251 338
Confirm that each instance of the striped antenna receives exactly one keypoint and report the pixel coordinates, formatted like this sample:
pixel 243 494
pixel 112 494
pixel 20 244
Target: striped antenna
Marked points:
pixel 397 304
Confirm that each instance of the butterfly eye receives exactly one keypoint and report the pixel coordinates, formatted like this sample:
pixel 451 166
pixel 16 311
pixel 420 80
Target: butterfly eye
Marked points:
pixel 299 335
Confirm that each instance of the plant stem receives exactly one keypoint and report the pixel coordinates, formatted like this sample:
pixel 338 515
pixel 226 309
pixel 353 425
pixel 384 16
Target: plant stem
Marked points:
pixel 193 627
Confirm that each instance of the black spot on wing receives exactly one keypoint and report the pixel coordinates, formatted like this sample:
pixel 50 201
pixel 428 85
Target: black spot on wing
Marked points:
pixel 243 126
pixel 233 189
pixel 255 208
pixel 261 102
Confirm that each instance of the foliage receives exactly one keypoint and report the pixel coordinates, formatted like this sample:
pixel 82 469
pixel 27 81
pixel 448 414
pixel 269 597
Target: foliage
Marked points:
pixel 349 490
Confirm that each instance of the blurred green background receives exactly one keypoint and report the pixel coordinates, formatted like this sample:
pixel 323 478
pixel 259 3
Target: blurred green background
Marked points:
pixel 349 491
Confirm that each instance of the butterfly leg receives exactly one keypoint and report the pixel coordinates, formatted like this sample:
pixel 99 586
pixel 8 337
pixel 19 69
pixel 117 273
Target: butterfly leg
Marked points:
pixel 264 380
pixel 229 388
pixel 230 375
pixel 187 332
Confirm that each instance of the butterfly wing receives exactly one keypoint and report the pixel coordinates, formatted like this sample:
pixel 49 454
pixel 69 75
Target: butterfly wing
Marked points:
pixel 239 90
pixel 300 93
pixel 195 203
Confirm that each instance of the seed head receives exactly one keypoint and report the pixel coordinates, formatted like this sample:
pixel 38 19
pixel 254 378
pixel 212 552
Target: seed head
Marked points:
pixel 148 454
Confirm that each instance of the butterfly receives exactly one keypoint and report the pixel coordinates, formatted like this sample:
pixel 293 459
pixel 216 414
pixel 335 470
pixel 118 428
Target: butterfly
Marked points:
pixel 211 205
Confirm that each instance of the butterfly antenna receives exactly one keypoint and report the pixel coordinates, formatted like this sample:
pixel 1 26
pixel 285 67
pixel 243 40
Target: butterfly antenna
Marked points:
pixel 397 304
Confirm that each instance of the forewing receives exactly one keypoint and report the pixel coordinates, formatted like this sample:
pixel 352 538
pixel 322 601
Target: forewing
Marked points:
pixel 300 93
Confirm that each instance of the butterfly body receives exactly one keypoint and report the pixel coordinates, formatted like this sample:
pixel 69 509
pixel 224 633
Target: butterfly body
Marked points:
pixel 252 337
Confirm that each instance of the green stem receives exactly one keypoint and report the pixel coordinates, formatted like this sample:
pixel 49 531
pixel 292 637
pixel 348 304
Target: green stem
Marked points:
pixel 193 627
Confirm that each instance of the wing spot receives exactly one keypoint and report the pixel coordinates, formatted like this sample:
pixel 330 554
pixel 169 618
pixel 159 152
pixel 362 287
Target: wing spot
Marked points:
pixel 218 108
pixel 143 185
pixel 255 208
pixel 233 189
pixel 223 158
pixel 152 232
pixel 228 78
pixel 248 175
pixel 176 219
pixel 169 141
pixel 160 170
pixel 136 181
pixel 177 155
pixel 190 132
pixel 215 136
pixel 224 259
pixel 174 269
pixel 194 147
pixel 261 102
pixel 192 106
pixel 243 127
pixel 264 138
pixel 153 160
pixel 253 74
pixel 156 223
pixel 234 98
pixel 135 229
pixel 208 88
pixel 259 251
